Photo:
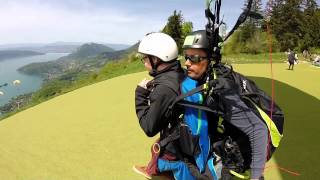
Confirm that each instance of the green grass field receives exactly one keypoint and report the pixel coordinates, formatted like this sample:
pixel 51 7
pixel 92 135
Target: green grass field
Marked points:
pixel 243 58
pixel 92 133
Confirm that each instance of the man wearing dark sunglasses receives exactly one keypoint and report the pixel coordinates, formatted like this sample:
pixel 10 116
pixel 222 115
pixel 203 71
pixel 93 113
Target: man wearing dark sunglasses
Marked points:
pixel 248 133
pixel 196 63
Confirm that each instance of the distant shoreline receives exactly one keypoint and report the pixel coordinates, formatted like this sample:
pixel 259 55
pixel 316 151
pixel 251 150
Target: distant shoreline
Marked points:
pixel 12 54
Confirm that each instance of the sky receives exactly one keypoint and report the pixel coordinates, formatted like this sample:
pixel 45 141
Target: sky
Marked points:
pixel 108 21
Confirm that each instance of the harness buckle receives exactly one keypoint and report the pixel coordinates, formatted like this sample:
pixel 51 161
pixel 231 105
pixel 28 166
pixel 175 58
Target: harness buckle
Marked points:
pixel 156 148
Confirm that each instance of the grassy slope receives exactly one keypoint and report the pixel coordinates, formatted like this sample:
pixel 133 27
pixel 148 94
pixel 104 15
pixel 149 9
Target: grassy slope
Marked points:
pixel 92 133
pixel 254 58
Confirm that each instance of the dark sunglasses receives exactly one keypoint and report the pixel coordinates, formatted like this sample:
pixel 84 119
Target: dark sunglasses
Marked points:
pixel 194 58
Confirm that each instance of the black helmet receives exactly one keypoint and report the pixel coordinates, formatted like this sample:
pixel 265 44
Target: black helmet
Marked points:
pixel 197 40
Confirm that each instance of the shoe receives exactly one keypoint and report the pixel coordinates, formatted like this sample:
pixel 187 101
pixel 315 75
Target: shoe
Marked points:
pixel 142 170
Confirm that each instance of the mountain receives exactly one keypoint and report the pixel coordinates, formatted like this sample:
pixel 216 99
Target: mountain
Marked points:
pixel 9 54
pixel 87 58
pixel 20 45
pixel 117 47
pixel 119 54
pixel 89 50
pixel 57 47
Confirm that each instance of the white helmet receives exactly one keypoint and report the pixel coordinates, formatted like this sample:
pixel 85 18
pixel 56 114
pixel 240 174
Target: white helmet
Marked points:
pixel 160 45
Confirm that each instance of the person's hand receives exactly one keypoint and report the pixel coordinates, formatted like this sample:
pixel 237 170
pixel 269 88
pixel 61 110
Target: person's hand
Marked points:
pixel 144 83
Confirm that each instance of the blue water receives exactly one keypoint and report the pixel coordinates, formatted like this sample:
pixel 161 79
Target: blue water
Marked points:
pixel 9 73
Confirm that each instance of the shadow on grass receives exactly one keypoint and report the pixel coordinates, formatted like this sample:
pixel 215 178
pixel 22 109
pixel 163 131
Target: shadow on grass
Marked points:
pixel 299 150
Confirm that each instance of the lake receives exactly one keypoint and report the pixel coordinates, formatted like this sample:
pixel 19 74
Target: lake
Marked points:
pixel 9 73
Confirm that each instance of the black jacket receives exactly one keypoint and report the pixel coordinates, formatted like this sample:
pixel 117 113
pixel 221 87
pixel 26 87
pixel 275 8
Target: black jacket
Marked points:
pixel 291 57
pixel 152 104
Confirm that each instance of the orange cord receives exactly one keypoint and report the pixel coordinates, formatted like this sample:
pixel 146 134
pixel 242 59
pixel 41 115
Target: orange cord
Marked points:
pixel 272 101
pixel 281 168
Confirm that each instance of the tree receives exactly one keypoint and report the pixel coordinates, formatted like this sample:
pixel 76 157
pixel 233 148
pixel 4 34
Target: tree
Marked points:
pixel 186 29
pixel 286 22
pixel 248 38
pixel 295 23
pixel 257 9
pixel 311 24
pixel 177 28
pixel 251 25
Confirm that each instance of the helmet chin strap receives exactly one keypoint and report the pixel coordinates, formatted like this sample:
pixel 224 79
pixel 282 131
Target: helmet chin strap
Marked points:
pixel 153 65
pixel 212 61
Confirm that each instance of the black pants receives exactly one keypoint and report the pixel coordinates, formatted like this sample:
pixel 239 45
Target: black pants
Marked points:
pixel 291 65
pixel 244 119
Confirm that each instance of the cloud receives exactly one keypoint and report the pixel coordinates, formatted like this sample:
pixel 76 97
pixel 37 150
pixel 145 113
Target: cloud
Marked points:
pixel 112 21
pixel 45 22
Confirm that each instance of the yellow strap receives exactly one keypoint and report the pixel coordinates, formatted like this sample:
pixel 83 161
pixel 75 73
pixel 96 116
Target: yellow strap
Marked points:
pixel 220 128
pixel 238 175
pixel 205 86
pixel 214 74
pixel 274 133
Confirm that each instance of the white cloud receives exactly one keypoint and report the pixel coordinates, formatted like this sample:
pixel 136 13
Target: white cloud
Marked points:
pixel 34 22
pixel 112 21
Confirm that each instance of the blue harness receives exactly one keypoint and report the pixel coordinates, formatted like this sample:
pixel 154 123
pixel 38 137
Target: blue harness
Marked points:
pixel 196 120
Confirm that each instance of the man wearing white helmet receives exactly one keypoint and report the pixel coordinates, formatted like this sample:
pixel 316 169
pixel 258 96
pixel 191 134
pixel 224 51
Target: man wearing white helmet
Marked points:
pixel 153 97
pixel 179 150
pixel 159 56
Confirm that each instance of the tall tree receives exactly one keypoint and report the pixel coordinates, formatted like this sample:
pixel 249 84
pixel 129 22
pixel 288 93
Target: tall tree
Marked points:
pixel 187 28
pixel 311 24
pixel 252 24
pixel 250 30
pixel 174 28
pixel 286 22
pixel 256 8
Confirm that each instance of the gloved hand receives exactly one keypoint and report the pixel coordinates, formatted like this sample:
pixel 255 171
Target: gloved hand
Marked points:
pixel 218 83
pixel 144 83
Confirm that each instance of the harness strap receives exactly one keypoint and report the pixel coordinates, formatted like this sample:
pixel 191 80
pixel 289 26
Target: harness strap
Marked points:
pixel 199 106
pixel 193 91
pixel 182 96
pixel 212 85
pixel 172 137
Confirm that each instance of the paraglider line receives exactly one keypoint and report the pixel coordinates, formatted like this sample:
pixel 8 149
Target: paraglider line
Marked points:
pixel 272 79
pixel 282 169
